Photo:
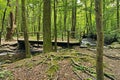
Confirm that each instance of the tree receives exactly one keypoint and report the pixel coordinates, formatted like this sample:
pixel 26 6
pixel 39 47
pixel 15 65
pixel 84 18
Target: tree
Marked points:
pixel 118 19
pixel 24 26
pixel 39 17
pixel 104 14
pixel 86 17
pixel 55 27
pixel 11 25
pixel 73 18
pixel 3 20
pixel 99 27
pixel 16 16
pixel 47 44
pixel 16 12
pixel 90 17
pixel 65 14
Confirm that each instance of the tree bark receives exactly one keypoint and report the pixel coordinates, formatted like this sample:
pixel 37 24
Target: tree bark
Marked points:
pixel 86 17
pixel 39 17
pixel 47 44
pixel 16 17
pixel 55 26
pixel 11 27
pixel 24 26
pixel 118 18
pixel 16 12
pixel 104 15
pixel 3 19
pixel 100 41
pixel 65 14
pixel 90 13
pixel 73 18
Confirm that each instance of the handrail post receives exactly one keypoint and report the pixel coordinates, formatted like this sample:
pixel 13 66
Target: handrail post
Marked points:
pixel 68 38
pixel 38 37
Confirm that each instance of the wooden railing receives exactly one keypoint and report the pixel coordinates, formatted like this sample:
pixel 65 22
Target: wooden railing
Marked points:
pixel 68 35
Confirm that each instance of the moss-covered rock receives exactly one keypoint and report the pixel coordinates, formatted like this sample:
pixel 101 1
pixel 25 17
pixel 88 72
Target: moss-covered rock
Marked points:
pixel 115 45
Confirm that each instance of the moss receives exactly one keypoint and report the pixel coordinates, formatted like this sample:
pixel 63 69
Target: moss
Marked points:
pixel 6 75
pixel 53 68
pixel 115 45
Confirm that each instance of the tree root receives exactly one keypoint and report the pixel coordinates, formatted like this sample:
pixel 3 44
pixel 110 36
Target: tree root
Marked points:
pixel 89 71
pixel 77 75
pixel 112 57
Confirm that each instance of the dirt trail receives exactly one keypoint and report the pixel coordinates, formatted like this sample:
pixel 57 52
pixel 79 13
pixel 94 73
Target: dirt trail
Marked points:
pixel 113 61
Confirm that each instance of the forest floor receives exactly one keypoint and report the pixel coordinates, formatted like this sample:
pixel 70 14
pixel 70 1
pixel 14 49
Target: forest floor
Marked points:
pixel 67 64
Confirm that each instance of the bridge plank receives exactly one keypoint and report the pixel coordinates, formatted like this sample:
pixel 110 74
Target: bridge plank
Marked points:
pixel 59 43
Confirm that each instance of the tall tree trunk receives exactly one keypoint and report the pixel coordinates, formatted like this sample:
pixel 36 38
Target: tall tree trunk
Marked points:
pixel 33 19
pixel 24 26
pixel 73 18
pixel 16 17
pixel 100 41
pixel 55 27
pixel 86 17
pixel 39 17
pixel 16 12
pixel 47 44
pixel 104 15
pixel 90 13
pixel 118 17
pixel 65 14
pixel 39 22
pixel 60 25
pixel 11 26
pixel 3 19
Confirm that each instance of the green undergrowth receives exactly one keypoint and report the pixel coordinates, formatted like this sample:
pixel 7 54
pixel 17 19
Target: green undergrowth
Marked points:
pixel 54 58
pixel 89 70
pixel 53 68
pixel 6 75
pixel 79 62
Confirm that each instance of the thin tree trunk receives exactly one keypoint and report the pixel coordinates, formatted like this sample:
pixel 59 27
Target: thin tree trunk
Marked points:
pixel 104 15
pixel 73 18
pixel 91 28
pixel 16 12
pixel 65 14
pixel 16 17
pixel 11 26
pixel 39 17
pixel 86 16
pixel 3 19
pixel 47 44
pixel 60 26
pixel 100 41
pixel 55 27
pixel 118 18
pixel 24 26
pixel 39 21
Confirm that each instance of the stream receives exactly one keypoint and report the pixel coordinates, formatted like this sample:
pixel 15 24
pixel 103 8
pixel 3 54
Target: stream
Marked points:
pixel 86 42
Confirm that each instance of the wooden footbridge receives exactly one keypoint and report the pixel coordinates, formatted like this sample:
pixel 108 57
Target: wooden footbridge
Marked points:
pixel 63 43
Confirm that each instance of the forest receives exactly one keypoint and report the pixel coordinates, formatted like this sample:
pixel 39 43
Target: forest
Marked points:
pixel 59 39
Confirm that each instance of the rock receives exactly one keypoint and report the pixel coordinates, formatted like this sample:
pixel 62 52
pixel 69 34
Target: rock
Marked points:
pixel 8 61
pixel 115 45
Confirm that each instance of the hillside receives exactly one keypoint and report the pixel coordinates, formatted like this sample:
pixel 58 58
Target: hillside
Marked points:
pixel 73 64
